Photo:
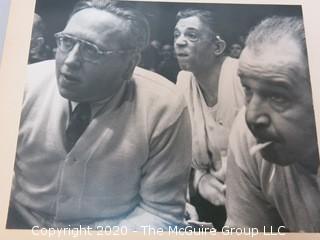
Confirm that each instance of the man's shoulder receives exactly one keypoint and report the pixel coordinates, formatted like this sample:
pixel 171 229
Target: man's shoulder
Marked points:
pixel 231 62
pixel 42 68
pixel 183 79
pixel 39 73
pixel 156 87
pixel 229 70
pixel 159 98
pixel 152 81
pixel 40 81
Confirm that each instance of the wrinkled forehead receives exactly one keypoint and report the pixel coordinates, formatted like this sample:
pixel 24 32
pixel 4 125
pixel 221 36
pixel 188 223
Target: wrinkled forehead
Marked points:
pixel 97 26
pixel 284 59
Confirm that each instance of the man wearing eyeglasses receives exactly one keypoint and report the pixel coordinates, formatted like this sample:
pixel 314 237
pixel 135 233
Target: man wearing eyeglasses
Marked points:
pixel 102 143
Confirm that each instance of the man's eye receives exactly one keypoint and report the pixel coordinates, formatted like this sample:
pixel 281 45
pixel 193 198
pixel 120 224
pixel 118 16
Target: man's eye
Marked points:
pixel 278 99
pixel 89 51
pixel 279 103
pixel 67 43
pixel 176 34
pixel 192 36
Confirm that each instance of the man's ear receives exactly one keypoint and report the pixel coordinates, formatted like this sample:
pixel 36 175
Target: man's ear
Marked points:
pixel 220 46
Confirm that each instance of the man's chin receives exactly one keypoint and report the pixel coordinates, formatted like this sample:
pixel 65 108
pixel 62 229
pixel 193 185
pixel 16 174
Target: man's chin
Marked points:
pixel 184 66
pixel 71 96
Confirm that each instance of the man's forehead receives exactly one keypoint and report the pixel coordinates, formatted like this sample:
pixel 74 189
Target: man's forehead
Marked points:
pixel 95 25
pixel 192 22
pixel 95 19
pixel 280 59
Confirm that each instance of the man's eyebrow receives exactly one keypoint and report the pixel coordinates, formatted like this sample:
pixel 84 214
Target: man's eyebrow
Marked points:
pixel 281 84
pixel 272 81
pixel 188 28
pixel 192 28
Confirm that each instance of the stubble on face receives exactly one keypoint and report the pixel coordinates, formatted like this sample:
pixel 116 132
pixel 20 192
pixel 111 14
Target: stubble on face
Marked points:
pixel 277 91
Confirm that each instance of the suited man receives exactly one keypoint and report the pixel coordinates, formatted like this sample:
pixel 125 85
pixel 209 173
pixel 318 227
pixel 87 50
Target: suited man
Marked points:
pixel 101 142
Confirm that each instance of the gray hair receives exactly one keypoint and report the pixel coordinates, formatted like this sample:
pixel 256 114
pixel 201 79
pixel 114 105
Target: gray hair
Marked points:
pixel 274 29
pixel 138 32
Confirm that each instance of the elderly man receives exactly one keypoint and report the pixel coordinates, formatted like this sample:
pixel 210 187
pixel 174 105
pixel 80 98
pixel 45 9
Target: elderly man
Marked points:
pixel 168 67
pixel 213 92
pixel 101 142
pixel 273 177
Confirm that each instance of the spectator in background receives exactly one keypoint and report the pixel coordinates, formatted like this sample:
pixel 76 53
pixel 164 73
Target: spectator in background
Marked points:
pixel 273 174
pixel 151 56
pixel 156 45
pixel 235 49
pixel 168 66
pixel 39 50
pixel 213 92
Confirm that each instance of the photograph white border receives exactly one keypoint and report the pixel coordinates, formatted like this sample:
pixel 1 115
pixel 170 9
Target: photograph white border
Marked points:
pixel 13 74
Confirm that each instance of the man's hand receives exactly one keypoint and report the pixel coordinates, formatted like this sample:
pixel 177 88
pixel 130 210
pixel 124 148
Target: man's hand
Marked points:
pixel 221 173
pixel 211 189
pixel 191 212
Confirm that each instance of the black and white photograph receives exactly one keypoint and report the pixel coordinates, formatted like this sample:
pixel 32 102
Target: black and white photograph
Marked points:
pixel 169 116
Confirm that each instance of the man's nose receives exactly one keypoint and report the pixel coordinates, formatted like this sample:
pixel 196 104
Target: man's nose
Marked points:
pixel 180 41
pixel 257 115
pixel 73 58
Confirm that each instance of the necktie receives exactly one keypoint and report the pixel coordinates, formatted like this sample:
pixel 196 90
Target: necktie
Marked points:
pixel 79 120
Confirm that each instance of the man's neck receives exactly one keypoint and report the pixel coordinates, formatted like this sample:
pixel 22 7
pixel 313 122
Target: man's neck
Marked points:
pixel 208 80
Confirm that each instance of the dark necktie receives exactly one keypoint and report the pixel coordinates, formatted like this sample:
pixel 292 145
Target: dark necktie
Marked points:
pixel 79 120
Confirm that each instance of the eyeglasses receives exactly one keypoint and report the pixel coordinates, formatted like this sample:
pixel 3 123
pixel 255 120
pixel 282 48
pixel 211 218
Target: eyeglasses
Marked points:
pixel 88 51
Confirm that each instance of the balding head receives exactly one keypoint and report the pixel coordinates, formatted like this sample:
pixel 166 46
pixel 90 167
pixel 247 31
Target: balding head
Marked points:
pixel 275 31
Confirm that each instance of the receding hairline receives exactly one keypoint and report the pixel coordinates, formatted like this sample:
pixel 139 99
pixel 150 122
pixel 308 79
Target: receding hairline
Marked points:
pixel 275 59
pixel 136 23
pixel 275 30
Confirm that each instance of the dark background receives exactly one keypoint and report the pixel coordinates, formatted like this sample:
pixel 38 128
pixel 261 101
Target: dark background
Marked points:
pixel 234 19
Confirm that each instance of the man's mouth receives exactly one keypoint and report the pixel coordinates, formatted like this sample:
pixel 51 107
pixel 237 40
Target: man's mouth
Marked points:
pixel 69 77
pixel 182 55
pixel 263 136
